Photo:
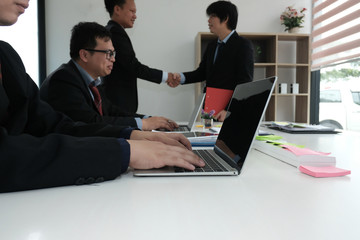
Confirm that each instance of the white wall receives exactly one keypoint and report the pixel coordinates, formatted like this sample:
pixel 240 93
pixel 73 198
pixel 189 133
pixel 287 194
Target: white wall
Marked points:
pixel 163 38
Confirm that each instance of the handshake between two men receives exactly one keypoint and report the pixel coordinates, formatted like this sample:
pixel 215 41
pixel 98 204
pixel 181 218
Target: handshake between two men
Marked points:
pixel 173 80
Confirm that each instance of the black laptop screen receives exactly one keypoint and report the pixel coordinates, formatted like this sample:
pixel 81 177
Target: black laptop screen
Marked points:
pixel 244 114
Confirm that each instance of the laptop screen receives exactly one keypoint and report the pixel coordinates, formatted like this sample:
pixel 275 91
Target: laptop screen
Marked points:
pixel 245 112
pixel 198 106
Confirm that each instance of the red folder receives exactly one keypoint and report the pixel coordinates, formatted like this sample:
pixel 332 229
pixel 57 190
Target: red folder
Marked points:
pixel 217 99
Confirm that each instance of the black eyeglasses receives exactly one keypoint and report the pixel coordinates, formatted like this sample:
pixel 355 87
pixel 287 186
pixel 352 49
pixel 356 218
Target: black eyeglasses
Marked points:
pixel 109 53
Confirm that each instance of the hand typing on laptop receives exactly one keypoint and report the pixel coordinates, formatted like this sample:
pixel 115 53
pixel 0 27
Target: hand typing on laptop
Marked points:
pixel 174 139
pixel 169 149
pixel 158 123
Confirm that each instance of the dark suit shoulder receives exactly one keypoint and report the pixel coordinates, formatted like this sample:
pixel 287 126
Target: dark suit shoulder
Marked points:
pixel 114 27
pixel 236 38
pixel 66 73
pixel 9 55
pixel 66 68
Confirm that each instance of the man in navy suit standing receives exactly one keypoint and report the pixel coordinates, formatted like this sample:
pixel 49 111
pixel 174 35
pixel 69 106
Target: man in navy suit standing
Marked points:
pixel 228 60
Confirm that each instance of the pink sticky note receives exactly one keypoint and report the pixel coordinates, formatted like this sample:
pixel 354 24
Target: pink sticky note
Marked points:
pixel 302 151
pixel 329 171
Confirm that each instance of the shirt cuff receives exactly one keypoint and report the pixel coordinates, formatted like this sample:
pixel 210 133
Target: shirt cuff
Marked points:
pixel 125 154
pixel 126 132
pixel 139 122
pixel 164 77
pixel 183 79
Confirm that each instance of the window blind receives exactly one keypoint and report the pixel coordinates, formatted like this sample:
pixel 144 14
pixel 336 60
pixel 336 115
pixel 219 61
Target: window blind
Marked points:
pixel 335 32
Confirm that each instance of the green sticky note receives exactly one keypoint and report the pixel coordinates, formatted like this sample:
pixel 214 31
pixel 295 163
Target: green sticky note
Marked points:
pixel 268 138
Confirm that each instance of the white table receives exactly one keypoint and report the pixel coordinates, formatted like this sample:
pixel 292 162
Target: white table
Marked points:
pixel 269 200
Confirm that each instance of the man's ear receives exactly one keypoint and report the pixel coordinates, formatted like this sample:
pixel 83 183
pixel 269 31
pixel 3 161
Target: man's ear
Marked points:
pixel 117 8
pixel 83 55
pixel 226 20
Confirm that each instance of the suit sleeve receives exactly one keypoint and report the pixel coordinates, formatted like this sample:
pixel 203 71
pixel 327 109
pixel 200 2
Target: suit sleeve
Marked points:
pixel 199 74
pixel 245 62
pixel 29 162
pixel 127 58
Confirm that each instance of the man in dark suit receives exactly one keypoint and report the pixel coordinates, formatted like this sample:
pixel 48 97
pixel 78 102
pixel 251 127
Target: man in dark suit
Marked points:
pixel 121 85
pixel 228 60
pixel 36 146
pixel 69 89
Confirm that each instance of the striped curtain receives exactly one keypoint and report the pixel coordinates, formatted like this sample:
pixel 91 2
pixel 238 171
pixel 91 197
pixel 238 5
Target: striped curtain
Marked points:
pixel 335 32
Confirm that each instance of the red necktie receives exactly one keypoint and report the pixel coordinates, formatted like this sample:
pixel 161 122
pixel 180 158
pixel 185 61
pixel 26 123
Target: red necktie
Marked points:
pixel 97 97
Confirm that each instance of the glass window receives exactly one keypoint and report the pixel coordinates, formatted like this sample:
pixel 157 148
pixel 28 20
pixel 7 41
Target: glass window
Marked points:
pixel 330 96
pixel 340 96
pixel 356 97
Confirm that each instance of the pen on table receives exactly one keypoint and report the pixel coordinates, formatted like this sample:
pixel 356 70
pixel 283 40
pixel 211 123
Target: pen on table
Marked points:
pixel 213 130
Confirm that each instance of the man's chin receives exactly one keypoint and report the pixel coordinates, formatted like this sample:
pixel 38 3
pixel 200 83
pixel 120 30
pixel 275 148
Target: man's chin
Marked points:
pixel 9 22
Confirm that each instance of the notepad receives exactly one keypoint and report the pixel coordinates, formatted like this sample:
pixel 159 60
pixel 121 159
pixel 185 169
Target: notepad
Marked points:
pixel 285 155
pixel 217 99
pixel 302 151
pixel 320 172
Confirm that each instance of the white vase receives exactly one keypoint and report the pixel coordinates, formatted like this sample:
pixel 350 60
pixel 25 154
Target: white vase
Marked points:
pixel 294 30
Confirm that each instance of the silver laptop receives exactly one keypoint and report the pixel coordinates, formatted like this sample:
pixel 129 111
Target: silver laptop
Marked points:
pixel 191 124
pixel 245 112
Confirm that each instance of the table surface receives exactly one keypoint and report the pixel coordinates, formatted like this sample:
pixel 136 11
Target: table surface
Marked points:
pixel 268 200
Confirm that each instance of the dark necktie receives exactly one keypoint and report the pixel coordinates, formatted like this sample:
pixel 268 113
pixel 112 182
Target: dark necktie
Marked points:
pixel 97 97
pixel 220 46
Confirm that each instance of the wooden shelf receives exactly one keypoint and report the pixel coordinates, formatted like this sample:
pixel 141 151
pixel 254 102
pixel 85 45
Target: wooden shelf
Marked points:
pixel 277 54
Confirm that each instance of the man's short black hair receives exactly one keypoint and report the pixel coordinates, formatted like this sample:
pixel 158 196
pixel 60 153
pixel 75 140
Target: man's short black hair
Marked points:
pixel 224 10
pixel 110 4
pixel 84 35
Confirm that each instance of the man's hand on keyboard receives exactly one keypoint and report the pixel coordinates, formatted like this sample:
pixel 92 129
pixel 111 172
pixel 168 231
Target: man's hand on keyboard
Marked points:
pixel 152 154
pixel 153 123
pixel 174 139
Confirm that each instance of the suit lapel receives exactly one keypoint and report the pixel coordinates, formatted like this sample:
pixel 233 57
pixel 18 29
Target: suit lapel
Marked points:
pixel 224 54
pixel 84 88
pixel 80 81
pixel 4 105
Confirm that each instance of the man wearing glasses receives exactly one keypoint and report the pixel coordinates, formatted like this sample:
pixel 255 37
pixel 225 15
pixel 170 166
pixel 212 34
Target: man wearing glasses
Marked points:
pixel 73 87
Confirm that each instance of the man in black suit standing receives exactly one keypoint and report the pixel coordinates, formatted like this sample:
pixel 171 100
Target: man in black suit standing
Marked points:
pixel 121 85
pixel 41 148
pixel 70 88
pixel 228 60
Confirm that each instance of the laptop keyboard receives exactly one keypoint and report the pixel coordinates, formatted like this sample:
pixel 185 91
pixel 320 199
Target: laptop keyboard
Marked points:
pixel 180 129
pixel 211 164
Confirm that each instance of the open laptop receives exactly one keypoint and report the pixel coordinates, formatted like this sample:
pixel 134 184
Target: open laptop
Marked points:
pixel 244 115
pixel 191 124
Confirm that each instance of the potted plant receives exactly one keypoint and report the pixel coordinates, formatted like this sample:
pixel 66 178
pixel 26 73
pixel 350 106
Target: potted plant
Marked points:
pixel 292 19
pixel 259 49
pixel 207 119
